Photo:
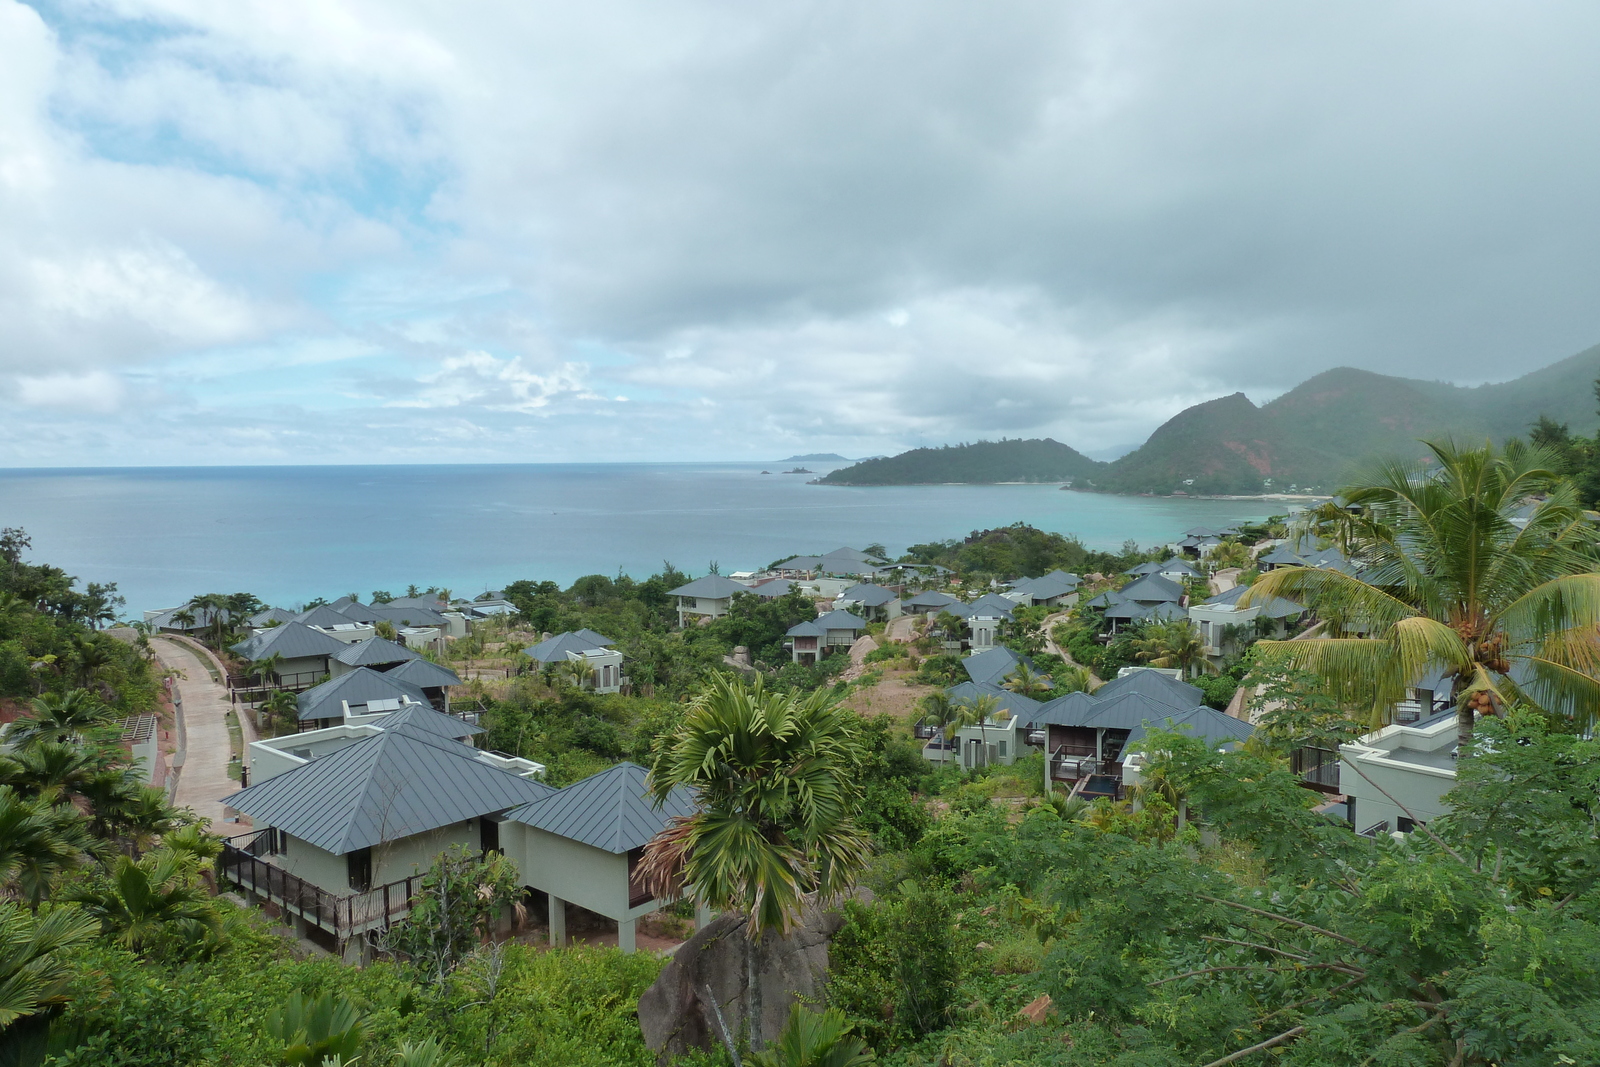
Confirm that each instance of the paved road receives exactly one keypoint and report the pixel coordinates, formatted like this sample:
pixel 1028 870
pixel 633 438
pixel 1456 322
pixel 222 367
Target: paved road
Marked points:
pixel 204 780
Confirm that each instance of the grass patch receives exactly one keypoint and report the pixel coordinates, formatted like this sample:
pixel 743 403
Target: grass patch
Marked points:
pixel 235 743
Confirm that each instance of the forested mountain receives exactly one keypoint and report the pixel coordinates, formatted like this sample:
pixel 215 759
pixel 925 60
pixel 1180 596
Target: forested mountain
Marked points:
pixel 1308 438
pixel 982 461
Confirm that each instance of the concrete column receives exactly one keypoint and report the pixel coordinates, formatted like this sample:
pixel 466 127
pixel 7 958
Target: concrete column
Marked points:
pixel 702 916
pixel 355 952
pixel 558 920
pixel 625 931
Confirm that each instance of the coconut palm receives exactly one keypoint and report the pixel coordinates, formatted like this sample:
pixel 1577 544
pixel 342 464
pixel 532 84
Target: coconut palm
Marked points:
pixel 777 778
pixel 39 842
pixel 1025 681
pixel 36 958
pixel 266 668
pixel 60 718
pixel 1229 554
pixel 1482 565
pixel 1176 644
pixel 283 710
pixel 183 617
pixel 152 905
pixel 1072 679
pixel 940 712
pixel 977 711
pixel 217 605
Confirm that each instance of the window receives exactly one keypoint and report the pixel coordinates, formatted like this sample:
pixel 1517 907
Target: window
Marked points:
pixel 1002 750
pixel 359 866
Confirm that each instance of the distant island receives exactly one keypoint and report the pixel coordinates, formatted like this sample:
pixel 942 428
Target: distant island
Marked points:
pixel 817 457
pixel 1305 441
pixel 979 462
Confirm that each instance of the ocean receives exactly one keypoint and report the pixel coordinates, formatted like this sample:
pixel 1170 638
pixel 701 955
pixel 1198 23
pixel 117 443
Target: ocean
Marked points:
pixel 288 534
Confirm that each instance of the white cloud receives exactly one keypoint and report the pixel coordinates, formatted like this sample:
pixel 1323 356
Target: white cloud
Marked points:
pixel 497 385
pixel 157 287
pixel 95 393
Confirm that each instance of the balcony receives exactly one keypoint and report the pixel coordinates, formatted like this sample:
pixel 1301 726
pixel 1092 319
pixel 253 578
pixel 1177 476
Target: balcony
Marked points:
pixel 241 865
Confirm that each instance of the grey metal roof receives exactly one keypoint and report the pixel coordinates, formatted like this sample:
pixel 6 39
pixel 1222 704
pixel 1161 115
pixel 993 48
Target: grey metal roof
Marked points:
pixel 1024 708
pixel 932 598
pixel 424 718
pixel 375 651
pixel 555 649
pixel 354 610
pixel 1152 589
pixel 271 615
pixel 841 620
pixel 292 640
pixel 1071 709
pixel 712 587
pixel 1065 576
pixel 392 785
pixel 425 673
pixel 867 593
pixel 1153 683
pixel 993 666
pixel 1200 721
pixel 987 604
pixel 1168 612
pixel 1282 556
pixel 406 615
pixel 1108 599
pixel 612 810
pixel 805 629
pixel 357 688
pixel 773 588
pixel 323 615
pixel 1272 607
pixel 1046 588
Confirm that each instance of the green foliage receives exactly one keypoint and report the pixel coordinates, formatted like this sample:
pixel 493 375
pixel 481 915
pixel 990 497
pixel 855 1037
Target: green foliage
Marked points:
pixel 980 462
pixel 814 1039
pixel 1218 689
pixel 310 1030
pixel 462 896
pixel 895 965
pixel 1021 550
pixel 155 906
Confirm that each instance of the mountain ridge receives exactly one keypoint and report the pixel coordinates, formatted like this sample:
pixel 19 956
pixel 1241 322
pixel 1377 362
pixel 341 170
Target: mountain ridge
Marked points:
pixel 1307 439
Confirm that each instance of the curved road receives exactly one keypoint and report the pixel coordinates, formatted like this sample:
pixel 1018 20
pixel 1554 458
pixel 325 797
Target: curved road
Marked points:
pixel 204 780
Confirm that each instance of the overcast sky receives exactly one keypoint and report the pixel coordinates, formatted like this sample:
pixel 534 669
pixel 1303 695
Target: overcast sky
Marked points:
pixel 298 231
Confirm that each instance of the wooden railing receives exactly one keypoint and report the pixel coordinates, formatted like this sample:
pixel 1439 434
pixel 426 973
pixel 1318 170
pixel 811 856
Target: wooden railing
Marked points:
pixel 241 865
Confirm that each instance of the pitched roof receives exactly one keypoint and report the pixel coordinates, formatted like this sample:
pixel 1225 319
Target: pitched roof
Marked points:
pixel 1046 588
pixel 1065 576
pixel 358 688
pixel 1272 607
pixel 400 782
pixel 932 598
pixel 271 615
pixel 611 811
pixel 425 673
pixel 1200 721
pixel 374 652
pixel 1108 599
pixel 989 604
pixel 1282 556
pixel 292 640
pixel 424 718
pixel 841 620
pixel 807 628
pixel 994 665
pixel 1070 709
pixel 712 587
pixel 772 588
pixel 1024 708
pixel 1152 589
pixel 1155 684
pixel 323 615
pixel 867 593
pixel 577 642
pixel 406 614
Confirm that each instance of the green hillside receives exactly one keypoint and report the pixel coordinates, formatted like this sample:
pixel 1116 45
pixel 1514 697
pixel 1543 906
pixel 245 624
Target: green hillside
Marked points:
pixel 1309 438
pixel 981 462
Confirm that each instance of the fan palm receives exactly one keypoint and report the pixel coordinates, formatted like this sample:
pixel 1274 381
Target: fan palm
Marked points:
pixel 36 958
pixel 152 904
pixel 59 717
pixel 39 842
pixel 1482 566
pixel 815 1039
pixel 776 776
pixel 315 1029
pixel 49 770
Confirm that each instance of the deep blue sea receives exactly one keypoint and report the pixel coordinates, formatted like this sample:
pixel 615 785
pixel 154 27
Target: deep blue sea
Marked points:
pixel 289 534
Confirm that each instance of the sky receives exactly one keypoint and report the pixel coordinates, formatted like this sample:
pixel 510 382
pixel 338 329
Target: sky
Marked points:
pixel 351 231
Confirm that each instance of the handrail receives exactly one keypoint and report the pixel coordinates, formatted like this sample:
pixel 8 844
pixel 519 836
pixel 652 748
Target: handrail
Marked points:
pixel 342 916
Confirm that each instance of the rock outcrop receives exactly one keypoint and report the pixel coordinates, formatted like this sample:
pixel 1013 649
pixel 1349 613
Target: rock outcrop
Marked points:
pixel 711 964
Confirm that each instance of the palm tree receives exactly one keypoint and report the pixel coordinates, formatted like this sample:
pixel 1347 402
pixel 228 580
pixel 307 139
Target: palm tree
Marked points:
pixel 152 904
pixel 60 717
pixel 183 617
pixel 978 711
pixel 1175 644
pixel 89 658
pixel 1026 681
pixel 940 712
pixel 283 711
pixel 574 673
pixel 1451 573
pixel 776 776
pixel 314 1029
pixel 384 629
pixel 1072 679
pixel 815 1039
pixel 51 770
pixel 1229 554
pixel 39 842
pixel 267 667
pixel 36 962
pixel 217 605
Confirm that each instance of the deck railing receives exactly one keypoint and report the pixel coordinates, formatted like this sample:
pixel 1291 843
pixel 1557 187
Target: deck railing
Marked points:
pixel 241 864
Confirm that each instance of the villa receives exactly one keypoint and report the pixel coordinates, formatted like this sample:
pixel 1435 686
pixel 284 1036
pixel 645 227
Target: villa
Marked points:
pixel 1055 589
pixel 602 663
pixel 810 641
pixel 349 819
pixel 706 598
pixel 1222 622
pixel 1150 598
pixel 1173 570
pixel 304 650
pixel 983 618
pixel 929 602
pixel 872 602
pixel 1414 764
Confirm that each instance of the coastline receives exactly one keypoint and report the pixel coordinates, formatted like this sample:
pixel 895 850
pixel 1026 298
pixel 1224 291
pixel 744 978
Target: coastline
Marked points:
pixel 1285 497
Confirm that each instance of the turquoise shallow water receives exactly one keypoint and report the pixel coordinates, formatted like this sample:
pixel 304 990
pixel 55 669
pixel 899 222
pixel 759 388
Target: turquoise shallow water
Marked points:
pixel 289 534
